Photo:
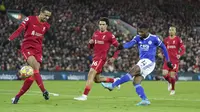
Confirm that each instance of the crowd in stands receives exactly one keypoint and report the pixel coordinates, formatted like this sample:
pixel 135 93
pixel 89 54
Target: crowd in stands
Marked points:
pixel 74 21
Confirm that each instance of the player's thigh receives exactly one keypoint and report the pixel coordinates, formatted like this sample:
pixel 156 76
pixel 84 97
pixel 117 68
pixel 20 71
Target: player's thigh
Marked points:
pixel 33 62
pixel 29 56
pixel 165 70
pixel 38 57
pixel 146 67
pixel 27 53
pixel 98 65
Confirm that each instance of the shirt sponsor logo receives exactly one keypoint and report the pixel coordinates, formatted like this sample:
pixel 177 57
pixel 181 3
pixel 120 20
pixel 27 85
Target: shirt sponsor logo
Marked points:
pixel 98 42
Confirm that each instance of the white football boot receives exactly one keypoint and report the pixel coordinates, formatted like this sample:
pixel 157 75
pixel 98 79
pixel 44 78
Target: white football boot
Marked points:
pixel 81 98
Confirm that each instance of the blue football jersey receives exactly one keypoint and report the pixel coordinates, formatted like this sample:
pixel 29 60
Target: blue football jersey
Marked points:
pixel 147 47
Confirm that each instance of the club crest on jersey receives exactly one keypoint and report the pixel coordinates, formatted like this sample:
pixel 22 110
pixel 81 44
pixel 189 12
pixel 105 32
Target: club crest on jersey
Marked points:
pixel 144 47
pixel 174 42
pixel 43 29
pixel 150 42
pixel 103 36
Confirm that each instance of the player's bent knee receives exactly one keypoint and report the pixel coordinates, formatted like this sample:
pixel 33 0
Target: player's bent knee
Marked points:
pixel 135 71
pixel 97 79
pixel 173 74
pixel 165 72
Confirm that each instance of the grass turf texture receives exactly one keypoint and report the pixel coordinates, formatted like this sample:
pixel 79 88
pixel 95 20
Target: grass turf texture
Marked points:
pixel 187 98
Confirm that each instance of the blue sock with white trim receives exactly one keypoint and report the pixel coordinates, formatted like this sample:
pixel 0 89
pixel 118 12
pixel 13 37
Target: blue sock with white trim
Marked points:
pixel 122 80
pixel 140 91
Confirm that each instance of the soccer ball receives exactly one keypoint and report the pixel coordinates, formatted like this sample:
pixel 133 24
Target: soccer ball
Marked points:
pixel 25 72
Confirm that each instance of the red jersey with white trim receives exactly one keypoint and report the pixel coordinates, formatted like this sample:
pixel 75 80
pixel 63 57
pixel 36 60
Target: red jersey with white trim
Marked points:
pixel 174 47
pixel 102 42
pixel 34 32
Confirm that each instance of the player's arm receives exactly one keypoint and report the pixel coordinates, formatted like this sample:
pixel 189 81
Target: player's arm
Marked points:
pixel 91 43
pixel 15 34
pixel 182 48
pixel 22 27
pixel 128 45
pixel 165 52
pixel 116 44
pixel 160 53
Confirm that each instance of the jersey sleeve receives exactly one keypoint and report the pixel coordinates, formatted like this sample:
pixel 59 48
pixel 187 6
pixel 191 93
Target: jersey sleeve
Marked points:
pixel 182 47
pixel 25 22
pixel 158 42
pixel 131 43
pixel 90 46
pixel 114 41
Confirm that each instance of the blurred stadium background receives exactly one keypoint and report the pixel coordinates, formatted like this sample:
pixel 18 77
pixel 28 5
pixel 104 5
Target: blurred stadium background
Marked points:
pixel 66 56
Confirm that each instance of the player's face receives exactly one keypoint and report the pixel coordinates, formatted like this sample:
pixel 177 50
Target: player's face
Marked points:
pixel 102 26
pixel 143 32
pixel 44 16
pixel 172 31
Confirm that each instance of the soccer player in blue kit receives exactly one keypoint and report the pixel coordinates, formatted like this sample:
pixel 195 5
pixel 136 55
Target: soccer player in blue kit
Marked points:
pixel 147 45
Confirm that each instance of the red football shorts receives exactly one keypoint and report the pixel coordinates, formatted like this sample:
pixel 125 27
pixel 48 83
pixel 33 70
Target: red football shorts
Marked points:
pixel 32 52
pixel 175 69
pixel 98 65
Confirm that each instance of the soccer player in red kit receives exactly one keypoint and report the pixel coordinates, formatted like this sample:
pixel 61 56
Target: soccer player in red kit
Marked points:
pixel 31 48
pixel 176 49
pixel 100 42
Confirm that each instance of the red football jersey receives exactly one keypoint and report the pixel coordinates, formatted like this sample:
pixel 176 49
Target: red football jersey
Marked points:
pixel 174 47
pixel 34 32
pixel 102 42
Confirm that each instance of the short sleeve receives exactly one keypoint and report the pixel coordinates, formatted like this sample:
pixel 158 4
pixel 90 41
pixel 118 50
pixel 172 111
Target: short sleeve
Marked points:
pixel 158 42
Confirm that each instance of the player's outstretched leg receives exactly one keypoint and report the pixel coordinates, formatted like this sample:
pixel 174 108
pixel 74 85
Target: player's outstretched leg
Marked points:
pixel 168 79
pixel 91 75
pixel 173 81
pixel 36 66
pixel 27 84
pixel 98 79
pixel 140 91
pixel 123 79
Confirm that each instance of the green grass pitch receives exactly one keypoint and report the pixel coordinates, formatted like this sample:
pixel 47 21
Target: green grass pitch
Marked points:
pixel 187 98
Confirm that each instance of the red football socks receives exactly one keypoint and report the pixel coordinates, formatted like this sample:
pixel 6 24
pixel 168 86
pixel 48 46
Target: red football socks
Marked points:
pixel 173 80
pixel 38 80
pixel 111 80
pixel 27 84
pixel 87 90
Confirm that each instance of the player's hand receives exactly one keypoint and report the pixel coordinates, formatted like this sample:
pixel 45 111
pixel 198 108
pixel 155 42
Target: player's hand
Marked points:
pixel 5 43
pixel 111 60
pixel 120 47
pixel 170 65
pixel 178 56
pixel 160 55
pixel 91 41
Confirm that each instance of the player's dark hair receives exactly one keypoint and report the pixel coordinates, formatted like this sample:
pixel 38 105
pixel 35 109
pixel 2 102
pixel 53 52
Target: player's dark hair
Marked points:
pixel 104 19
pixel 145 26
pixel 45 8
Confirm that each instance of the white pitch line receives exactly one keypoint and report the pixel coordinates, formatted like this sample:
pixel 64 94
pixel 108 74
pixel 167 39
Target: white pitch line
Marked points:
pixel 103 97
pixel 12 91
